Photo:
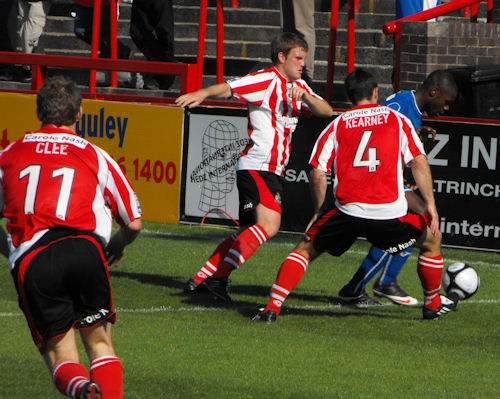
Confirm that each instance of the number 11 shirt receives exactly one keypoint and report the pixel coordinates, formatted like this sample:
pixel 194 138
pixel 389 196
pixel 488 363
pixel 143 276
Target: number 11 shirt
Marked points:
pixel 52 178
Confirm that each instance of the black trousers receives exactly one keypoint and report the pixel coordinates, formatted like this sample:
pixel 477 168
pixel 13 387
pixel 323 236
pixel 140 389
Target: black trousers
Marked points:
pixel 8 16
pixel 152 29
pixel 83 29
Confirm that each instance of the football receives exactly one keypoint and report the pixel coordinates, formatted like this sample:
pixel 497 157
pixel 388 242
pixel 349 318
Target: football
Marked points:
pixel 461 279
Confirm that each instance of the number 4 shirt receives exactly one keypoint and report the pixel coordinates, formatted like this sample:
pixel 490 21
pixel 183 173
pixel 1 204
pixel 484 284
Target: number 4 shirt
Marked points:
pixel 365 148
pixel 53 178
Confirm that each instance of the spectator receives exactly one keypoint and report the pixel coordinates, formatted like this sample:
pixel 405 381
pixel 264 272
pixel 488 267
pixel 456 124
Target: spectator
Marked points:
pixel 152 30
pixel 33 15
pixel 297 16
pixel 59 195
pixel 8 36
pixel 84 21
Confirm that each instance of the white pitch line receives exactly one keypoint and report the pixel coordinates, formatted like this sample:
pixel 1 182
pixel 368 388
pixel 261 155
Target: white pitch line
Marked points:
pixel 200 309
pixel 171 309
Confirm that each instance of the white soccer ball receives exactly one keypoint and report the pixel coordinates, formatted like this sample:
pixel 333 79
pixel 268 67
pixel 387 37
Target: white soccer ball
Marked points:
pixel 461 279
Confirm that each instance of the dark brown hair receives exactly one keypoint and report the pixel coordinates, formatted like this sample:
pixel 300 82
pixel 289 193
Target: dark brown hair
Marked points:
pixel 359 85
pixel 58 101
pixel 284 42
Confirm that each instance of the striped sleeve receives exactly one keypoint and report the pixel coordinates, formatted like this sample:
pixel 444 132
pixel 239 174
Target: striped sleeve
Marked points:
pixel 323 152
pixel 118 192
pixel 251 88
pixel 411 146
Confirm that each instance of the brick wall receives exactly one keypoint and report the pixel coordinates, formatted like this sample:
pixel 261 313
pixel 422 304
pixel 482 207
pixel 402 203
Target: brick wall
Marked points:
pixel 427 46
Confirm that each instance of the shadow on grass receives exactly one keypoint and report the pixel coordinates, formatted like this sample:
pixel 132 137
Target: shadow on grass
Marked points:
pixel 175 282
pixel 196 237
pixel 249 308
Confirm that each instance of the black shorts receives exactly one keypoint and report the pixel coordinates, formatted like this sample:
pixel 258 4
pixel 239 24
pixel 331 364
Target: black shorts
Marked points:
pixel 63 282
pixel 334 232
pixel 257 187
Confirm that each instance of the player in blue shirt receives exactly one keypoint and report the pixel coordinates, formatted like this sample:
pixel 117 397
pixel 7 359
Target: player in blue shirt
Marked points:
pixel 410 7
pixel 433 97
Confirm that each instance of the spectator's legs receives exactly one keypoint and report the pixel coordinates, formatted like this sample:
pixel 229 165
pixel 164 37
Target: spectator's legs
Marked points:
pixel 165 30
pixel 152 30
pixel 8 25
pixel 303 11
pixel 33 17
pixel 83 30
pixel 8 35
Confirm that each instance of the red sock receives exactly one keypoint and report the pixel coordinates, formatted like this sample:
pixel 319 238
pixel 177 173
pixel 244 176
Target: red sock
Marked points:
pixel 212 264
pixel 289 275
pixel 108 372
pixel 69 378
pixel 245 246
pixel 429 270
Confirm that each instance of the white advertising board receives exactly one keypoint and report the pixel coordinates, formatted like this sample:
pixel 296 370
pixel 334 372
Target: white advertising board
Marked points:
pixel 213 147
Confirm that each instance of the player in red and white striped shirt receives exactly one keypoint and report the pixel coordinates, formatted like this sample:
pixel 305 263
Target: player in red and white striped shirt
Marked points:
pixel 364 148
pixel 60 194
pixel 275 98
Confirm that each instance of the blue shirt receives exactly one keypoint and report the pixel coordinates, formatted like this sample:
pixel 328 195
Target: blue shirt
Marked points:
pixel 404 8
pixel 404 102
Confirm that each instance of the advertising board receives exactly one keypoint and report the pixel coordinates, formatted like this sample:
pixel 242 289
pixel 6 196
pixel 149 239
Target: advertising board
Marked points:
pixel 145 140
pixel 213 145
pixel 463 158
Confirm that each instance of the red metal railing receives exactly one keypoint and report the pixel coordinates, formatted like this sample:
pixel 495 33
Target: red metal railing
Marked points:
pixel 39 63
pixel 443 9
pixel 191 74
pixel 219 38
pixel 352 10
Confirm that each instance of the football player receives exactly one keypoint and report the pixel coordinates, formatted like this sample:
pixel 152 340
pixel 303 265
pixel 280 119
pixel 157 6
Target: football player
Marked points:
pixel 59 194
pixel 275 97
pixel 432 98
pixel 364 149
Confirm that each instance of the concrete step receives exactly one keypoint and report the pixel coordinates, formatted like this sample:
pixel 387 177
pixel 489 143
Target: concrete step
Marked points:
pixel 248 30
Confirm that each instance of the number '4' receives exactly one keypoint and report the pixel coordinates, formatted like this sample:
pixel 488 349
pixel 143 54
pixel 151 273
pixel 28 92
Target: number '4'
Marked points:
pixel 372 162
pixel 33 173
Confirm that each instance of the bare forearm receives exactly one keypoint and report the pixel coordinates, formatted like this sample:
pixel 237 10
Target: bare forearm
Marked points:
pixel 317 187
pixel 318 107
pixel 123 237
pixel 423 178
pixel 221 90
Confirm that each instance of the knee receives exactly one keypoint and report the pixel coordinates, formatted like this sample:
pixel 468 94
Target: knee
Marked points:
pixel 432 242
pixel 271 228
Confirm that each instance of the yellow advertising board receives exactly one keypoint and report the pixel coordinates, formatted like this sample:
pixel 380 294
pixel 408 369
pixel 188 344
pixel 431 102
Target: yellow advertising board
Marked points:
pixel 145 140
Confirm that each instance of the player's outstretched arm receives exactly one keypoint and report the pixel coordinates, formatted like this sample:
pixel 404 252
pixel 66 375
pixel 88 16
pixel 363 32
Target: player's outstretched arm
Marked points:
pixel 422 174
pixel 123 237
pixel 221 90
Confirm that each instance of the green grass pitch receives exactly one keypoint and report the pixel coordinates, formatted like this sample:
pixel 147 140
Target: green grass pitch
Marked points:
pixel 173 346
